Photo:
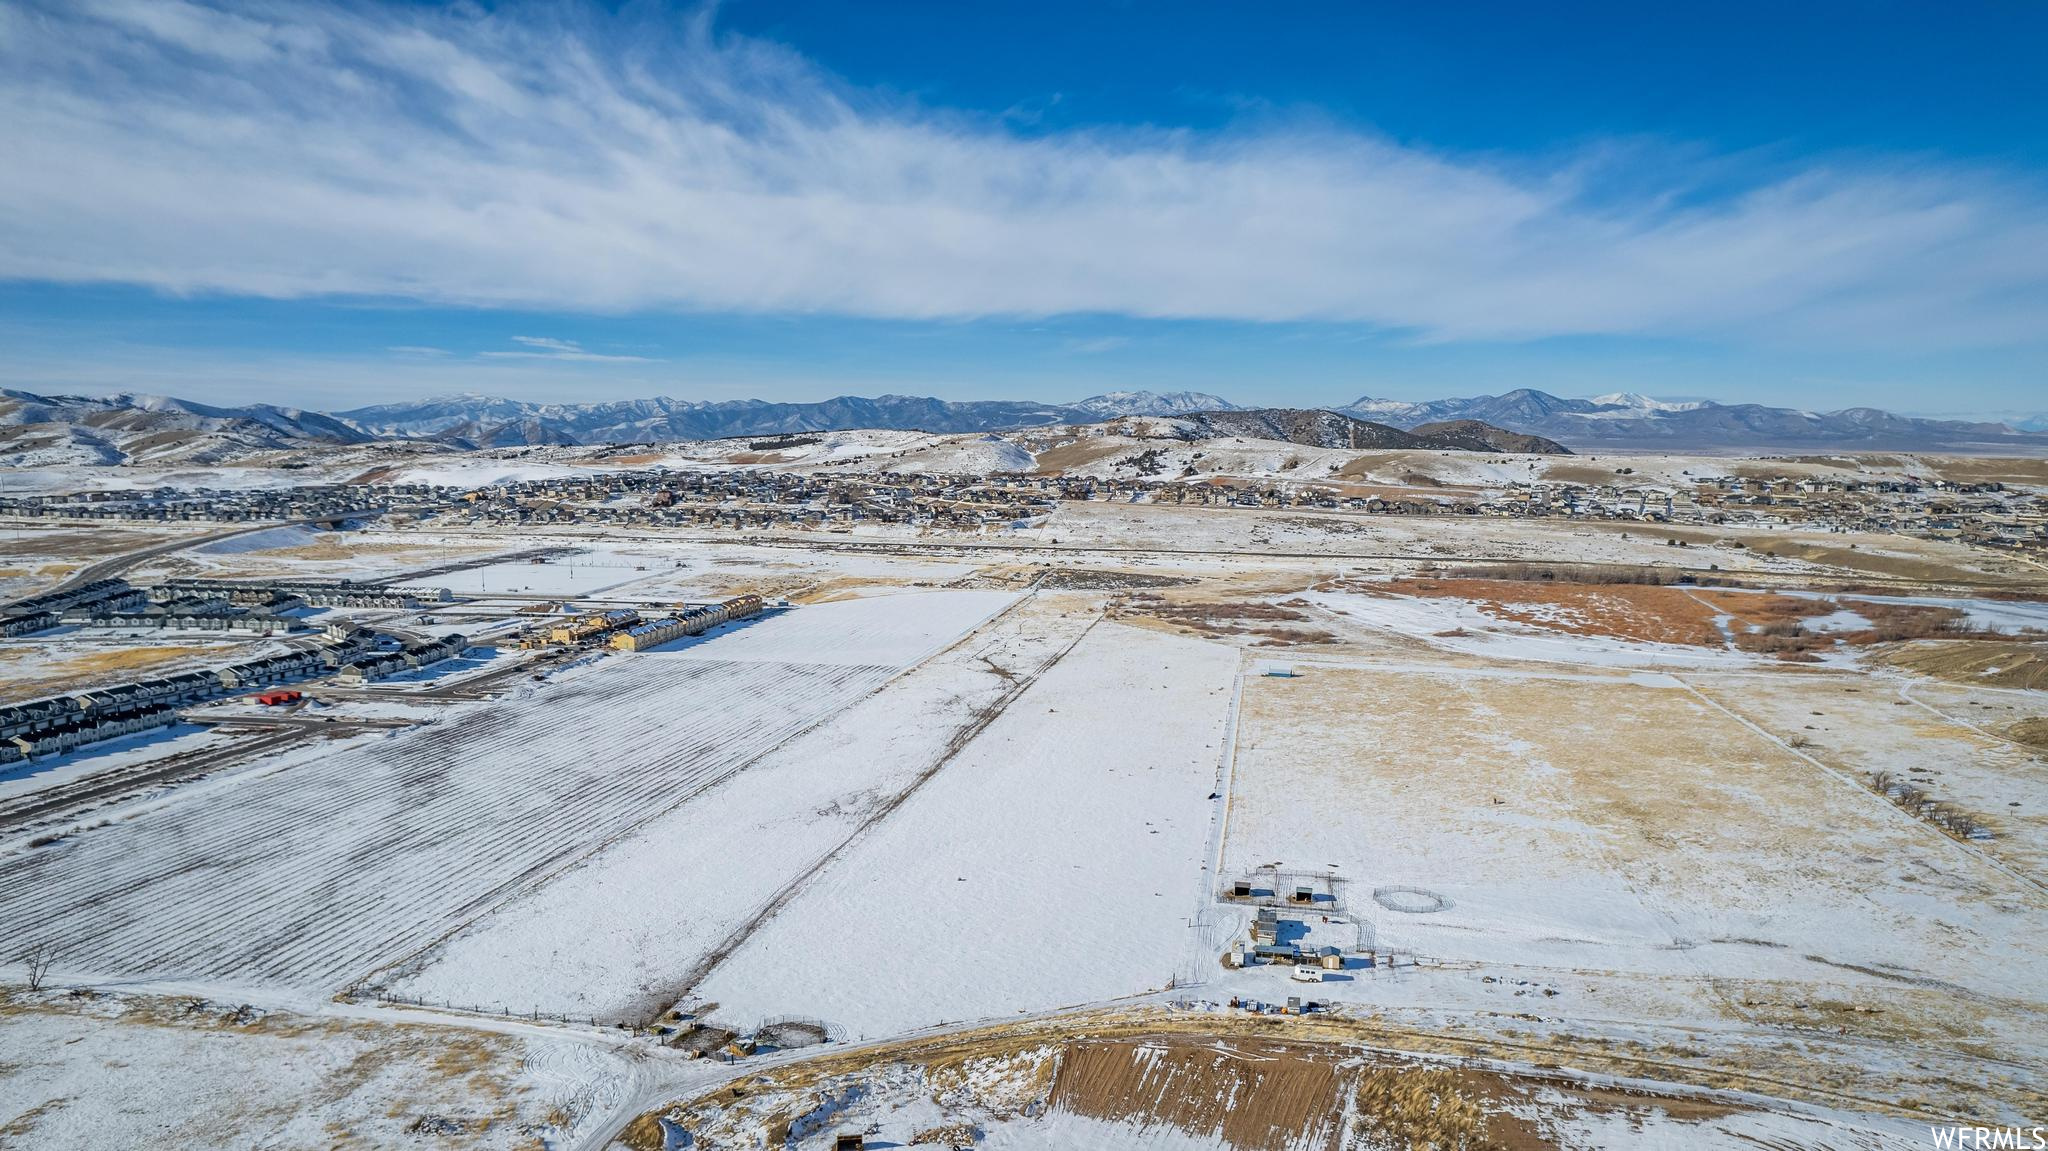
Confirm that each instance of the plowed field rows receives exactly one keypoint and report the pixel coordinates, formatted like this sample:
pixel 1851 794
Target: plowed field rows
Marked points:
pixel 310 877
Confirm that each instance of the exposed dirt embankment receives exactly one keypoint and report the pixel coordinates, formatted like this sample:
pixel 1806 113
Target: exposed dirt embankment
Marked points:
pixel 1257 1097
pixel 1003 1074
pixel 1275 624
pixel 1991 663
pixel 1227 1079
pixel 2032 732
pixel 1263 1095
pixel 1644 605
pixel 1656 614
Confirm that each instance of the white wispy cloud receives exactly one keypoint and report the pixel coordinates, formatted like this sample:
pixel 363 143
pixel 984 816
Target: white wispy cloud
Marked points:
pixel 560 158
pixel 547 348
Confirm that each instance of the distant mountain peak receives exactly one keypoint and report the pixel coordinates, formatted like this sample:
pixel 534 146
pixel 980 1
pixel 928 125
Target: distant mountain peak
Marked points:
pixel 1320 428
pixel 147 428
pixel 1644 403
pixel 1629 421
pixel 661 419
pixel 1110 405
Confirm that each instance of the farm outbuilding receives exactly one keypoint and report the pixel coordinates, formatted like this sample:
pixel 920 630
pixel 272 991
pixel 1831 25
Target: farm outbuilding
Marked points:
pixel 1265 928
pixel 1273 885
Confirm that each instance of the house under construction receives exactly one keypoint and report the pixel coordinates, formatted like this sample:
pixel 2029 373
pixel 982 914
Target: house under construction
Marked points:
pixel 692 621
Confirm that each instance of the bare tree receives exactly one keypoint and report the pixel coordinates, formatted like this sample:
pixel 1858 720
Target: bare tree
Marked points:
pixel 38 959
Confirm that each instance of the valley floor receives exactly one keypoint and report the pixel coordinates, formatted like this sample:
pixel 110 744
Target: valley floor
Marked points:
pixel 950 849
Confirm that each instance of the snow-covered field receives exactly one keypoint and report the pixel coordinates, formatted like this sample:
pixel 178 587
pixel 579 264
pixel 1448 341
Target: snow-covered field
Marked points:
pixel 592 570
pixel 1956 745
pixel 1297 535
pixel 317 871
pixel 807 850
pixel 1048 864
pixel 613 935
pixel 1623 824
pixel 126 1071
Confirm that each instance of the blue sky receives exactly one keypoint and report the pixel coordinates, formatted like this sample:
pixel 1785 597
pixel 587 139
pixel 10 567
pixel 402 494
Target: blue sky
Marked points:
pixel 340 203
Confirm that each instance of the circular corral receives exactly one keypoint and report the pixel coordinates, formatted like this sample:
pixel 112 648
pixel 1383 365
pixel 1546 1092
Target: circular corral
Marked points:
pixel 792 1033
pixel 1410 900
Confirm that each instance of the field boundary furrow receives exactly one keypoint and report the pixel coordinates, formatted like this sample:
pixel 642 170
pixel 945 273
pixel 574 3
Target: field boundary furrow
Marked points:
pixel 1906 693
pixel 1195 966
pixel 693 786
pixel 773 906
pixel 1892 810
pixel 586 805
pixel 649 793
pixel 596 804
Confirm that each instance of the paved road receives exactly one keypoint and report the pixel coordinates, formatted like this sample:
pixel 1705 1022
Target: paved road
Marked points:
pixel 1105 552
pixel 116 565
pixel 414 577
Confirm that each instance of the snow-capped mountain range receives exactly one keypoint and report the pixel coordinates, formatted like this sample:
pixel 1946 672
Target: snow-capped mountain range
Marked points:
pixel 1626 421
pixel 1111 405
pixel 128 427
pixel 490 420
